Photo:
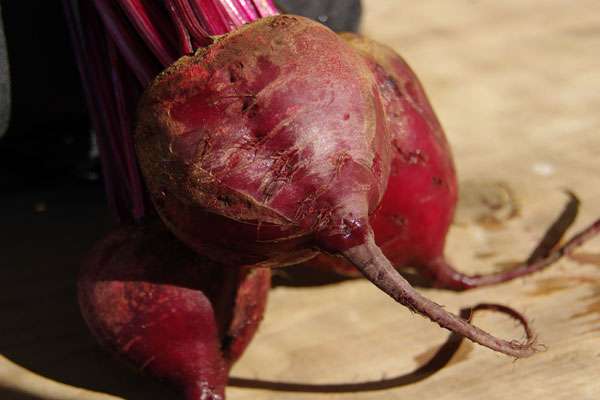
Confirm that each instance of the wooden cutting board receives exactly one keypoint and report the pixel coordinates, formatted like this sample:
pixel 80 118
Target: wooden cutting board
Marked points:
pixel 517 86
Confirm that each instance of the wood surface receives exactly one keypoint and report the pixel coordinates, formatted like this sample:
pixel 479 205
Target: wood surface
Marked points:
pixel 516 85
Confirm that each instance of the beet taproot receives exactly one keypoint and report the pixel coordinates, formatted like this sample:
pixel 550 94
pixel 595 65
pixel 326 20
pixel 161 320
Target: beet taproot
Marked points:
pixel 270 142
pixel 169 312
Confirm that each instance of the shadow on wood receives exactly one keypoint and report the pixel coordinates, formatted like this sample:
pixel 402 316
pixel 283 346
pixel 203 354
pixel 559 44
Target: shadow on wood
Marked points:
pixel 41 328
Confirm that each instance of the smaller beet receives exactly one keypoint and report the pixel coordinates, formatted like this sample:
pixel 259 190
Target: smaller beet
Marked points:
pixel 168 312
pixel 413 218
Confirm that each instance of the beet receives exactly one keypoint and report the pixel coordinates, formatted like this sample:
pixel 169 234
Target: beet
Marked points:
pixel 414 216
pixel 167 311
pixel 218 141
pixel 272 141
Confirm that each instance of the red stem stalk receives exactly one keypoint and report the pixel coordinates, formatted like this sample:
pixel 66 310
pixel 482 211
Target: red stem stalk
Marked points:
pixel 154 38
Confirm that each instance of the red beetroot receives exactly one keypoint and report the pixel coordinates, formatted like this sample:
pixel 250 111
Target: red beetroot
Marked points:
pixel 272 141
pixel 169 312
pixel 415 213
pixel 412 221
pixel 235 134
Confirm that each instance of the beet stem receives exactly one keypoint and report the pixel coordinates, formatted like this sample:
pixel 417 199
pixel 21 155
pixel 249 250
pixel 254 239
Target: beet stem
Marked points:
pixel 133 51
pixel 185 43
pixel 154 39
pixel 369 259
pixel 233 11
pixel 188 16
pixel 83 64
pixel 124 112
pixel 89 44
pixel 247 6
pixel 209 13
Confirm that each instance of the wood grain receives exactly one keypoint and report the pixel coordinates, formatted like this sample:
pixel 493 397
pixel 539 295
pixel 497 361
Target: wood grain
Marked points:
pixel 517 87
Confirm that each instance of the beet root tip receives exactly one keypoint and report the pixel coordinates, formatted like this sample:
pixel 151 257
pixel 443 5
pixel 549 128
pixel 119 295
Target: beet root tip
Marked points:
pixel 369 259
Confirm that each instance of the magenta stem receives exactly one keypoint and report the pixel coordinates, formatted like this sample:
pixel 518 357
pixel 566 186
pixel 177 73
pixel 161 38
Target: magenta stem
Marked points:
pixel 188 17
pixel 135 54
pixel 90 45
pixel 247 6
pixel 83 64
pixel 235 14
pixel 123 115
pixel 155 40
pixel 185 42
pixel 210 15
